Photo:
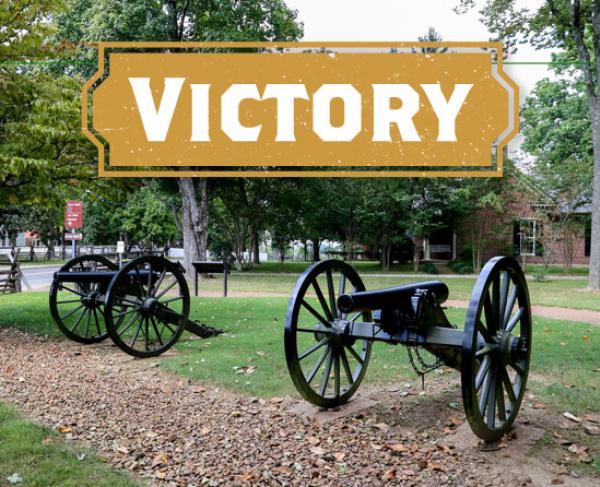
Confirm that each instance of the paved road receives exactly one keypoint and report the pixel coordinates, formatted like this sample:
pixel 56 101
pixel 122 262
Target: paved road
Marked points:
pixel 39 277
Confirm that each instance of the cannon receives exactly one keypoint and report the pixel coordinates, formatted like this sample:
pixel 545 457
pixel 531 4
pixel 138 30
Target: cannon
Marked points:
pixel 332 322
pixel 143 307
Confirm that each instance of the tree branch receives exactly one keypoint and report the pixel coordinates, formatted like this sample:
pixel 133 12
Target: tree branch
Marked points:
pixel 584 55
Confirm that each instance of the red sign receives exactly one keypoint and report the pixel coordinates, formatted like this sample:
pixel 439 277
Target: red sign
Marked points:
pixel 73 236
pixel 74 214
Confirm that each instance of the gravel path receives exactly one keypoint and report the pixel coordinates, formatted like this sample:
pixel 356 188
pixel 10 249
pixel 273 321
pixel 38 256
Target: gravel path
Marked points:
pixel 178 433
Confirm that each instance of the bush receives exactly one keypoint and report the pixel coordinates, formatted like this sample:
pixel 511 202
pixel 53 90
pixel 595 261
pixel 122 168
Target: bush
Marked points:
pixel 428 268
pixel 460 267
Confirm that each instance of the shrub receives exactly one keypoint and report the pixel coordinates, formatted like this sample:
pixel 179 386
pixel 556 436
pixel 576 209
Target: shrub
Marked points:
pixel 460 267
pixel 428 268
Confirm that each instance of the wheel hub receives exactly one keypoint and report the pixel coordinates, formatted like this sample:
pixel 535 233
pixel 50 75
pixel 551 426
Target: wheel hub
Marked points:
pixel 511 347
pixel 340 335
pixel 148 306
pixel 91 300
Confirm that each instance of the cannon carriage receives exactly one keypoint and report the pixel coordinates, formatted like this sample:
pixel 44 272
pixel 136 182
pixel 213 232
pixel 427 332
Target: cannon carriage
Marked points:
pixel 143 307
pixel 332 322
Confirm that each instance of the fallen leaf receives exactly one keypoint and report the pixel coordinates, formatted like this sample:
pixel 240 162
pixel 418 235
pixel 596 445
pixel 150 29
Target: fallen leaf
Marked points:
pixel 435 467
pixel 572 448
pixel 390 474
pixel 571 417
pixel 455 421
pixel 160 459
pixel 47 441
pixel 313 440
pixel 246 477
pixel 538 405
pixel 339 457
pixel 591 429
pixel 261 354
pixel 317 450
pixel 10 371
pixel 64 429
pixel 382 427
pixel 557 481
pixel 15 478
pixel 585 338
pixel 397 447
pixel 283 469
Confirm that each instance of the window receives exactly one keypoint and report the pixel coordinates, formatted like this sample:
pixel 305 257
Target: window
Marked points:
pixel 527 234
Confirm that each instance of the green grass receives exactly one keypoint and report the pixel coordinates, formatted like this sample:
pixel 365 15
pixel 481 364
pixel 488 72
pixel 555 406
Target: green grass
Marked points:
pixel 41 458
pixel 571 293
pixel 373 267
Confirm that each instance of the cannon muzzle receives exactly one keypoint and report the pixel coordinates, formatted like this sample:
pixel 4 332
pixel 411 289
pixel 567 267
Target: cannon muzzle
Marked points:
pixel 397 297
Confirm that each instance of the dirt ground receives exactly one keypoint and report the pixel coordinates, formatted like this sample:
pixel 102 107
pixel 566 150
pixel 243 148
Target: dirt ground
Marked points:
pixel 179 433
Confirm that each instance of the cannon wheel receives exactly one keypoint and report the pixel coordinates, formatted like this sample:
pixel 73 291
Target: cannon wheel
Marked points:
pixel 147 306
pixel 77 308
pixel 496 348
pixel 331 376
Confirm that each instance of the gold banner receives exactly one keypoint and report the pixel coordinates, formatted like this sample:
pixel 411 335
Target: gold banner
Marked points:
pixel 351 110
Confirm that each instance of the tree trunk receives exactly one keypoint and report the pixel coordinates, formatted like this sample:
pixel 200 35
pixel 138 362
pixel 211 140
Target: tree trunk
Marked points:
pixel 316 244
pixel 417 253
pixel 194 221
pixel 254 245
pixel 594 276
pixel 386 250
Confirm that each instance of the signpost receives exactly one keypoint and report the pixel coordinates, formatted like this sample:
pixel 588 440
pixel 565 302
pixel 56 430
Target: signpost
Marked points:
pixel 73 220
pixel 120 250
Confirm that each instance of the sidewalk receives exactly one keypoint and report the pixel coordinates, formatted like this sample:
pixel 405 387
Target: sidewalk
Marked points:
pixel 569 314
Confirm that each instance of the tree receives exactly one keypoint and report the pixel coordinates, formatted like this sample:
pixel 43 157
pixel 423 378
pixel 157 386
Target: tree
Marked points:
pixel 557 130
pixel 182 20
pixel 575 27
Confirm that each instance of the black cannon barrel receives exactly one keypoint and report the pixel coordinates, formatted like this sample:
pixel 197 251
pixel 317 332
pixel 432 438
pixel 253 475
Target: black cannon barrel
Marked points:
pixel 397 297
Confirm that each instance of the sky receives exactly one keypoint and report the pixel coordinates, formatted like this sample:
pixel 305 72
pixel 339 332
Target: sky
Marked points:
pixel 406 20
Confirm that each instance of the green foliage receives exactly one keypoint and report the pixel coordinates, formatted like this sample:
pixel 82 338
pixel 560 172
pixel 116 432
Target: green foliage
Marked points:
pixel 461 266
pixel 428 268
pixel 143 215
pixel 26 26
pixel 44 158
pixel 558 132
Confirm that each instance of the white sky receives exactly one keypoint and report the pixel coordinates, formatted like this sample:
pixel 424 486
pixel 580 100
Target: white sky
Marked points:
pixel 406 20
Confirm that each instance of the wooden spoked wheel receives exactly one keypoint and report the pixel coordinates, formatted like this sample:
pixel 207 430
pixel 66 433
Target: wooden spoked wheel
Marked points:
pixel 78 307
pixel 496 348
pixel 147 306
pixel 325 365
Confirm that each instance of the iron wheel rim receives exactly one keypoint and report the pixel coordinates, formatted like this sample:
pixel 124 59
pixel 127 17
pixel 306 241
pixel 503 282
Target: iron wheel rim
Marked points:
pixel 84 313
pixel 496 354
pixel 136 329
pixel 347 361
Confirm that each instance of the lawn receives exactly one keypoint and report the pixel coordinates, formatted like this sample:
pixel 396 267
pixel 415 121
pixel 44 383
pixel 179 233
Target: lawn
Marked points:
pixel 34 456
pixel 570 293
pixel 373 267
